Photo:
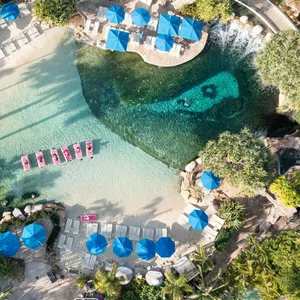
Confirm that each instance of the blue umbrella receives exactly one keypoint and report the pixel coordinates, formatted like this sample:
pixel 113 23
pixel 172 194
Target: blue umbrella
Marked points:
pixel 164 42
pixel 122 246
pixel 191 29
pixel 168 25
pixel 115 14
pixel 117 40
pixel 34 236
pixel 10 11
pixel 165 247
pixel 140 17
pixel 145 249
pixel 209 180
pixel 198 219
pixel 9 244
pixel 96 244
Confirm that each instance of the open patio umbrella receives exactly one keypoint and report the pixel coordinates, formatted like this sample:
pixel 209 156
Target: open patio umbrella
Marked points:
pixel 168 24
pixel 164 42
pixel 140 17
pixel 122 246
pixel 209 180
pixel 191 29
pixel 34 236
pixel 10 11
pixel 165 247
pixel 9 244
pixel 154 278
pixel 115 14
pixel 198 219
pixel 117 40
pixel 96 244
pixel 145 249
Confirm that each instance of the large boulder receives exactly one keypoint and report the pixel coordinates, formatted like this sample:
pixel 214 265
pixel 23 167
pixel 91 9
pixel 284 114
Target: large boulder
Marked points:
pixel 37 207
pixel 257 30
pixel 190 167
pixel 28 209
pixel 244 19
pixel 18 214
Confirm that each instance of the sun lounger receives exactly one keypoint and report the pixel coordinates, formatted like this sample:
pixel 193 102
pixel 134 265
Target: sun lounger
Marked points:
pixel 135 38
pixel 216 222
pixel 77 150
pixel 25 161
pixel 12 46
pixel 209 233
pixel 94 227
pixel 3 24
pixel 66 153
pixel 101 15
pixel 89 148
pixel 152 25
pixel 104 229
pixel 100 12
pixel 127 19
pixel 33 32
pixel 184 221
pixel 21 40
pixel 24 11
pixel 92 262
pixel 55 156
pixel 89 229
pixel 76 227
pixel 150 42
pixel 69 243
pixel 68 225
pixel 109 230
pixel 87 26
pixel 134 233
pixel 124 230
pixel 158 233
pixel 164 232
pixel 176 49
pixel 96 28
pixel 44 26
pixel 189 208
pixel 2 55
pixel 86 260
pixel 147 2
pixel 148 233
pixel 88 218
pixel 40 159
pixel 118 230
pixel 6 48
pixel 61 241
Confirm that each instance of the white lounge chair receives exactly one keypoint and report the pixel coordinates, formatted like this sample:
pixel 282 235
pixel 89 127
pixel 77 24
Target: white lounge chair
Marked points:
pixel 152 25
pixel 2 55
pixel 96 28
pixel 94 228
pixel 68 225
pixel 158 233
pixel 118 230
pixel 21 40
pixel 134 233
pixel 92 262
pixel 100 12
pixel 176 49
pixel 148 233
pixel 89 229
pixel 184 221
pixel 189 208
pixel 109 229
pixel 209 233
pixel 216 222
pixel 86 260
pixel 135 38
pixel 24 11
pixel 164 232
pixel 87 26
pixel 3 24
pixel 33 32
pixel 76 226
pixel 148 42
pixel 124 230
pixel 61 241
pixel 127 19
pixel 44 26
pixel 104 229
pixel 69 243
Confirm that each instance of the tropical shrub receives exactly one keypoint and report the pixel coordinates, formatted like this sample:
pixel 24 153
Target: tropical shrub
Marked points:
pixel 242 159
pixel 271 267
pixel 3 227
pixel 207 10
pixel 233 213
pixel 287 190
pixel 82 279
pixel 4 293
pixel 223 237
pixel 279 64
pixel 57 12
pixel 11 268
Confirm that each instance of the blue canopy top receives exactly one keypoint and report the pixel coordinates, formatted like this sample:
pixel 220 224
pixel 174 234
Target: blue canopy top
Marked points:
pixel 96 244
pixel 10 11
pixel 115 14
pixel 209 180
pixel 165 247
pixel 145 249
pixel 198 219
pixel 9 244
pixel 164 42
pixel 122 246
pixel 191 29
pixel 140 17
pixel 168 25
pixel 117 40
pixel 34 236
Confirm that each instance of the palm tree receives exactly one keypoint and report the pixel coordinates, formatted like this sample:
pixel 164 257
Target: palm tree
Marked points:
pixel 176 286
pixel 201 259
pixel 107 283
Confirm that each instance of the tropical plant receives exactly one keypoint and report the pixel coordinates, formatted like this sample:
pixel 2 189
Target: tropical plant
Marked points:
pixel 242 159
pixel 4 293
pixel 207 10
pixel 176 286
pixel 287 189
pixel 82 279
pixel 233 213
pixel 11 268
pixel 203 262
pixel 279 64
pixel 3 227
pixel 223 237
pixel 57 12
pixel 107 283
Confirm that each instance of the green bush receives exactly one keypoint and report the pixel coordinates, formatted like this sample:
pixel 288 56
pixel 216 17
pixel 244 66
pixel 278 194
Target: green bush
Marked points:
pixel 55 11
pixel 233 213
pixel 3 227
pixel 287 190
pixel 82 279
pixel 11 268
pixel 223 238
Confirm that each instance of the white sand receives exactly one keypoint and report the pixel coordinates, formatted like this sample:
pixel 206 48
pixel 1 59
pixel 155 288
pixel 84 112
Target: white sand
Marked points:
pixel 42 106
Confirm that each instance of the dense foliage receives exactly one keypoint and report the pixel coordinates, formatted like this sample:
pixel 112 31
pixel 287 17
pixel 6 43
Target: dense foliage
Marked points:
pixel 287 190
pixel 4 293
pixel 271 267
pixel 82 279
pixel 279 64
pixel 138 289
pixel 222 238
pixel 207 10
pixel 11 268
pixel 242 159
pixel 55 11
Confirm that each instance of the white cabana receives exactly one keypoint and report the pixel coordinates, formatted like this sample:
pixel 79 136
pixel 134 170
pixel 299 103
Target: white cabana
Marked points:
pixel 154 278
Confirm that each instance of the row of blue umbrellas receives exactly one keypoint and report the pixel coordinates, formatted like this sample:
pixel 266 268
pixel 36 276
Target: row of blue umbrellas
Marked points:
pixel 10 11
pixel 33 237
pixel 122 246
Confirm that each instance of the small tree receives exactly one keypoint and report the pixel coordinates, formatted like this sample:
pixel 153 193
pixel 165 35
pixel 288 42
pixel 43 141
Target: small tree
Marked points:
pixel 287 190
pixel 242 159
pixel 55 11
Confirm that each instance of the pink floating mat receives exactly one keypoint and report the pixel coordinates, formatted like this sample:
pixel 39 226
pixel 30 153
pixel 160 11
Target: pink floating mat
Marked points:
pixel 40 159
pixel 77 150
pixel 55 157
pixel 25 162
pixel 88 218
pixel 67 155
pixel 89 148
